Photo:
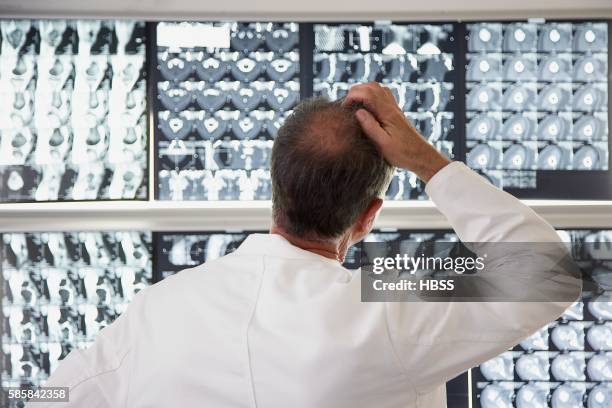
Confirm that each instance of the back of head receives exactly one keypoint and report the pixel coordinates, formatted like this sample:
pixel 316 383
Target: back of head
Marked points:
pixel 325 171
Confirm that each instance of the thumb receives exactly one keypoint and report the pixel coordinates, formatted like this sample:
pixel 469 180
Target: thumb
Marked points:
pixel 371 127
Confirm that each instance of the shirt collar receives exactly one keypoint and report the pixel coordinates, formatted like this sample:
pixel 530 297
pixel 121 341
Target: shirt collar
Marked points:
pixel 277 246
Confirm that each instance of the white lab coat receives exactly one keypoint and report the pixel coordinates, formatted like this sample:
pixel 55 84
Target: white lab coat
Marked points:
pixel 272 325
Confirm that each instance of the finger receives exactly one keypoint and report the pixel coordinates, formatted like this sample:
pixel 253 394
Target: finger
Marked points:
pixel 371 89
pixel 357 94
pixel 388 91
pixel 364 96
pixel 373 96
pixel 372 127
pixel 390 94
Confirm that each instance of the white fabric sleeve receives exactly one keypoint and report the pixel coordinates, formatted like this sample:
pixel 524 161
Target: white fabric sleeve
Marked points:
pixel 99 376
pixel 437 341
pixel 480 212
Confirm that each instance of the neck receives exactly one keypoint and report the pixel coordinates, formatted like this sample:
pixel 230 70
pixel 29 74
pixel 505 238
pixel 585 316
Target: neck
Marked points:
pixel 334 249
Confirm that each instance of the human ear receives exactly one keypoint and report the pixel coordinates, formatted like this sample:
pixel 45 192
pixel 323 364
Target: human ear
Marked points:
pixel 365 222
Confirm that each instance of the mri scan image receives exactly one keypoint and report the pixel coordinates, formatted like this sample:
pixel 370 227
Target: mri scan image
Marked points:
pixel 568 362
pixel 537 82
pixel 223 91
pixel 415 61
pixel 178 251
pixel 59 289
pixel 73 110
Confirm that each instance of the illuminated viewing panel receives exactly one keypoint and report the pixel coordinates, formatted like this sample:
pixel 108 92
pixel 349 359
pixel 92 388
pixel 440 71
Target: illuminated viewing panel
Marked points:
pixel 536 100
pixel 59 290
pixel 72 110
pixel 223 90
pixel 525 103
pixel 568 363
pixel 415 60
pixel 178 251
pixel 565 364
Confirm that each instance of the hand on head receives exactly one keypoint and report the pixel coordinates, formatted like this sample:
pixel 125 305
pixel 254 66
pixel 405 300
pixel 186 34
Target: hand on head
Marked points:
pixel 399 142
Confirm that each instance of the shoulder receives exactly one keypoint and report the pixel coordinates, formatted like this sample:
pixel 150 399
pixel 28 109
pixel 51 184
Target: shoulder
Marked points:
pixel 212 272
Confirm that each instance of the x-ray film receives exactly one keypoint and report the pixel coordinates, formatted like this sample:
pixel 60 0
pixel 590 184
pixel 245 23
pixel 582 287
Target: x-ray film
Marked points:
pixel 72 110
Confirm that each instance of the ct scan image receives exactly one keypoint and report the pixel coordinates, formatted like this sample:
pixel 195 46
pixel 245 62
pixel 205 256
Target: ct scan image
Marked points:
pixel 72 110
pixel 415 61
pixel 569 362
pixel 219 103
pixel 536 99
pixel 59 290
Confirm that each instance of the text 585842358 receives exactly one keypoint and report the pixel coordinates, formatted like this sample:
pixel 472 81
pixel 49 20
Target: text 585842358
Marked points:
pixel 42 394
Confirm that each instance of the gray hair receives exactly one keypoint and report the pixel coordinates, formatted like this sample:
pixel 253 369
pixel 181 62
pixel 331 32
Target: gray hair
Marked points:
pixel 325 171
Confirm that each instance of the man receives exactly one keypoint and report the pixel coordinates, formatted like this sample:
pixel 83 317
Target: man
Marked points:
pixel 279 322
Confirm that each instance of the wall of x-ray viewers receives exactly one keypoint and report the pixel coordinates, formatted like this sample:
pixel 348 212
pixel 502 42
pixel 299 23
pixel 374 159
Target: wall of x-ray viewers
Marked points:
pixel 82 102
pixel 524 103
pixel 61 289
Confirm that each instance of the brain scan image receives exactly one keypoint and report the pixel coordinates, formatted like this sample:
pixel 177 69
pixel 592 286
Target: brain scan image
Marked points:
pixel 486 37
pixel 599 337
pixel 498 368
pixel 484 156
pixel 554 127
pixel 519 157
pixel 555 37
pixel 496 396
pixel 569 367
pixel 521 68
pixel 591 37
pixel 568 395
pixel 533 367
pixel 589 128
pixel 547 81
pixel 592 68
pixel 554 157
pixel 518 127
pixel 537 341
pixel 600 396
pixel 599 367
pixel 484 98
pixel 520 37
pixel 532 395
pixel 483 127
pixel 556 68
pixel 73 110
pixel 567 363
pixel 586 158
pixel 485 68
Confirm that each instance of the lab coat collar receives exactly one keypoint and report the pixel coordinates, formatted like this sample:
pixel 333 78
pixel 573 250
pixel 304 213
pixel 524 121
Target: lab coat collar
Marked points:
pixel 277 246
